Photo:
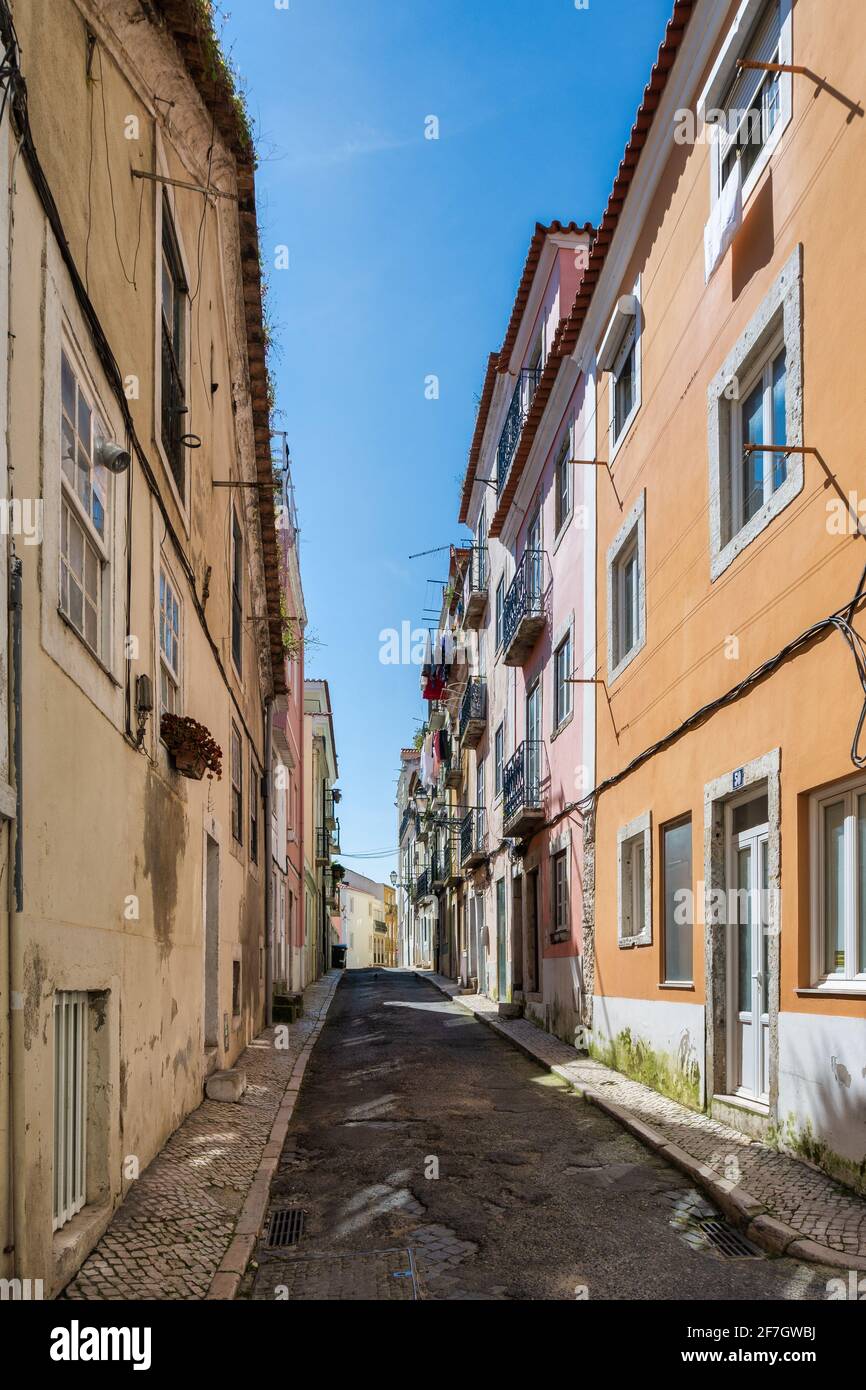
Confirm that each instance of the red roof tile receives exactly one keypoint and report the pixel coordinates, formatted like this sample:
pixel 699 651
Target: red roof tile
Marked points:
pixel 569 328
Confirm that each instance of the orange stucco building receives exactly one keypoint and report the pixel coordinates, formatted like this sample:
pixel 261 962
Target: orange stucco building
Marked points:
pixel 719 318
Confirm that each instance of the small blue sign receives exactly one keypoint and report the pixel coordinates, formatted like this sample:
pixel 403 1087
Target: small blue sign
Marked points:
pixel 739 778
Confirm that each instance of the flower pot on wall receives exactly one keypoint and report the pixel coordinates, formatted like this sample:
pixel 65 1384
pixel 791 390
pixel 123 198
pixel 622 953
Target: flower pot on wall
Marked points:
pixel 189 762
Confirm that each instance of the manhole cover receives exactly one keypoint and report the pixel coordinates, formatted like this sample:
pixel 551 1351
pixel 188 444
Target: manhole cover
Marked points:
pixel 285 1228
pixel 366 1276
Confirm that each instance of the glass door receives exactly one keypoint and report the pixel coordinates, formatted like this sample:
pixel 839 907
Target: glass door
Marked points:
pixel 533 746
pixel 748 954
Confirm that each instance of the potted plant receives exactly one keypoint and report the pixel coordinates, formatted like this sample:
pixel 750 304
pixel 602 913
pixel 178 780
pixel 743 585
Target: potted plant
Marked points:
pixel 193 748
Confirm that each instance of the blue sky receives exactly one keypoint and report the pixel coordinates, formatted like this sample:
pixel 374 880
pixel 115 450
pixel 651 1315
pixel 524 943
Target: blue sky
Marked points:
pixel 404 256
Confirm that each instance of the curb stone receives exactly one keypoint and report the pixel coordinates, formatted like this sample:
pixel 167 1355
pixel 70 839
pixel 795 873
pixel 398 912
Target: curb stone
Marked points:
pixel 226 1282
pixel 739 1206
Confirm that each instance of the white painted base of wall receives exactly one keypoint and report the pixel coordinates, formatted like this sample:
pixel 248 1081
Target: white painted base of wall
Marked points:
pixel 667 1026
pixel 822 1080
pixel 559 1012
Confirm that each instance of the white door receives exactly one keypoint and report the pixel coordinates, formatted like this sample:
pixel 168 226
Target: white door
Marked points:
pixel 748 954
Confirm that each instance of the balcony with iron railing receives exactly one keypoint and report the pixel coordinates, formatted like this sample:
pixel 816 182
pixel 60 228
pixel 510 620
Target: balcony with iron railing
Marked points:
pixel 521 402
pixel 473 838
pixel 330 814
pixel 437 869
pixel 327 842
pixel 422 885
pixel 523 808
pixel 473 713
pixel 523 616
pixel 475 588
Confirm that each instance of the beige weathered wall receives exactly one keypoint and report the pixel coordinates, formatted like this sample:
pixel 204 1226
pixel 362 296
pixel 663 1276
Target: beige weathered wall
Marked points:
pixel 106 821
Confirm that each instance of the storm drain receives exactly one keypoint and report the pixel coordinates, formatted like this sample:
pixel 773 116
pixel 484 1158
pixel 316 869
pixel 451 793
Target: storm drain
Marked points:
pixel 368 1276
pixel 700 1226
pixel 727 1240
pixel 285 1228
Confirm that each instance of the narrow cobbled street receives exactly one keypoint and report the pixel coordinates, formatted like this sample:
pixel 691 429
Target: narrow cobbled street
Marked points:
pixel 431 1159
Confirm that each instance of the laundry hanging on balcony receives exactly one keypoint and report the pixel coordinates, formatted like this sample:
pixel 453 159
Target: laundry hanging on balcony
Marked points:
pixel 433 683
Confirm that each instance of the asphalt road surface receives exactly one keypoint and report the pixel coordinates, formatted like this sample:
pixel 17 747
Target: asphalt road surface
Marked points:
pixel 431 1159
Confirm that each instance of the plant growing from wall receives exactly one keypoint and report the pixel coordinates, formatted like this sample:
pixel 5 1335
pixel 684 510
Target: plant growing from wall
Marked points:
pixel 193 747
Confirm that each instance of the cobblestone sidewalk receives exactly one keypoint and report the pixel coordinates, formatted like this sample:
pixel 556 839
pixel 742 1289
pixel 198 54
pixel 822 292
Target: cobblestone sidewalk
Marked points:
pixel 783 1204
pixel 170 1235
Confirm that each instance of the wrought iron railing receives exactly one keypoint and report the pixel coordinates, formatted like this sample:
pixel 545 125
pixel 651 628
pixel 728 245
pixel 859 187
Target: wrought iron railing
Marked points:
pixel 323 844
pixel 524 391
pixel 474 702
pixel 473 833
pixel 524 597
pixel 422 884
pixel 435 867
pixel 521 779
pixel 477 574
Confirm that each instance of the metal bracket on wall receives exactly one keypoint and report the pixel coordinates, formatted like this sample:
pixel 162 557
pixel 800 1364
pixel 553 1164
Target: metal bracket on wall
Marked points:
pixel 182 183
pixel 599 463
pixel 821 83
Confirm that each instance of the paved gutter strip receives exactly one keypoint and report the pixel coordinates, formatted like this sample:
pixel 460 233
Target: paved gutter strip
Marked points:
pixel 743 1210
pixel 226 1281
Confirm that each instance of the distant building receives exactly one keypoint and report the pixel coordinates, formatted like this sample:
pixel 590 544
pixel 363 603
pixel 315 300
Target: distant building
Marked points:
pixel 364 926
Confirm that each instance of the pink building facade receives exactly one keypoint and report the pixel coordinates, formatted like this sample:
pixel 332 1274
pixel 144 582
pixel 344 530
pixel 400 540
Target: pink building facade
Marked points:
pixel 529 499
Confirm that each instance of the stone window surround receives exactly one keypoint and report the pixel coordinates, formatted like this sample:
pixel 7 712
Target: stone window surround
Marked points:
pixel 764 770
pixel 636 519
pixel 625 836
pixel 781 307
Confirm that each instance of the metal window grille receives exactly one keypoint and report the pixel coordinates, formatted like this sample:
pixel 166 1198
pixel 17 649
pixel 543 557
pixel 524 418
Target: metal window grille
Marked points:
pixel 70 1115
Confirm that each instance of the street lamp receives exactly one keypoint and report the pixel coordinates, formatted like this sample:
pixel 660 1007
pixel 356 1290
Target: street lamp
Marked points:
pixel 422 800
pixel 394 878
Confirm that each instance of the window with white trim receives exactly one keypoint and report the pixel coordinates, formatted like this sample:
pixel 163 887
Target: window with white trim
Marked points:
pixel 753 100
pixel 84 511
pixel 562 486
pixel 498 759
pixel 169 644
pixel 562 681
pixel 619 354
pixel 624 383
pixel 71 1030
pixel 500 612
pixel 839 863
pixel 758 418
pixel 756 398
pixel 634 895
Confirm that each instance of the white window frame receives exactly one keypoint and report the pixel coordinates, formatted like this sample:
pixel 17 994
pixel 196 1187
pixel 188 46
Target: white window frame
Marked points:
pixel 71 503
pixel 174 676
pixel 561 716
pixel 498 761
pixel 562 467
pixel 850 981
pixel 777 323
pixel 624 332
pixel 710 103
pixel 630 540
pixel 631 893
pixel 760 371
pixel 71 1023
pixel 499 612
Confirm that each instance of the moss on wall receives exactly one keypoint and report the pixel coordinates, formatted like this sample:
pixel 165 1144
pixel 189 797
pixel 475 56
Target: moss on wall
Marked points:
pixel 679 1078
pixel 802 1142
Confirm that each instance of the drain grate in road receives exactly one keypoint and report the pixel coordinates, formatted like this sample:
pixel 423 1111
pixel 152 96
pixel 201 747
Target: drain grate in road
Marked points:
pixel 369 1276
pixel 285 1228
pixel 727 1240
